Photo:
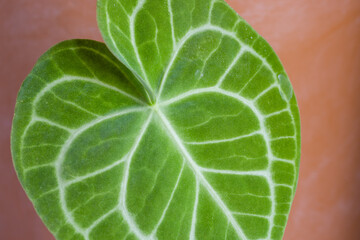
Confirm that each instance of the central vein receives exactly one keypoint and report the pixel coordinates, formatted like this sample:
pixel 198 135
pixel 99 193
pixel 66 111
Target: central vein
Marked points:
pixel 173 135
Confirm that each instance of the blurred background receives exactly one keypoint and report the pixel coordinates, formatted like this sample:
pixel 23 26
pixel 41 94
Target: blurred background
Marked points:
pixel 319 45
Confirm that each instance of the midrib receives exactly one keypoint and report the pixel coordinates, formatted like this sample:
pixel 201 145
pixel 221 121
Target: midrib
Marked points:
pixel 173 135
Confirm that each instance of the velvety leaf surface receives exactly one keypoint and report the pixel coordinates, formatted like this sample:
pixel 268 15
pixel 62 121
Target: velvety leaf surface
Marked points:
pixel 187 129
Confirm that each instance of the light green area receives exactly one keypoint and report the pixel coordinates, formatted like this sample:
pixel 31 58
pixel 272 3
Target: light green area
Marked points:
pixel 193 134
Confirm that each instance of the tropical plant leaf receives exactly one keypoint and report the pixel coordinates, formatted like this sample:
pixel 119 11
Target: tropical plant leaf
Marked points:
pixel 193 134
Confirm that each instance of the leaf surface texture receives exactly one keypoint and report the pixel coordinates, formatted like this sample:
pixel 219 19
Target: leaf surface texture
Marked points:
pixel 185 126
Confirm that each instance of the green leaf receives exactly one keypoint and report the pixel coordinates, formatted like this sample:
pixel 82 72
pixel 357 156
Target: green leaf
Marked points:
pixel 187 129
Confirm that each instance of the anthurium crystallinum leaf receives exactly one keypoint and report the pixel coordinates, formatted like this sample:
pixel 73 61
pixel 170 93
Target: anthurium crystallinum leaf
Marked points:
pixel 183 126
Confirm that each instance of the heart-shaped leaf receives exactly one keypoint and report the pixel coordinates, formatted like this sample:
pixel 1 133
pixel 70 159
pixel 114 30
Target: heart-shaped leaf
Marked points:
pixel 187 129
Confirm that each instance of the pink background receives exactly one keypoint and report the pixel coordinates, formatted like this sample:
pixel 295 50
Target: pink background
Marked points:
pixel 319 45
